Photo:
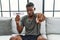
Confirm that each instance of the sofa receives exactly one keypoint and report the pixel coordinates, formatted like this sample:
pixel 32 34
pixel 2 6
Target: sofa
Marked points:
pixel 53 28
pixel 8 28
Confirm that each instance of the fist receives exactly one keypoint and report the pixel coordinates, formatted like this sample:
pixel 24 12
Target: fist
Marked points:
pixel 17 19
pixel 40 17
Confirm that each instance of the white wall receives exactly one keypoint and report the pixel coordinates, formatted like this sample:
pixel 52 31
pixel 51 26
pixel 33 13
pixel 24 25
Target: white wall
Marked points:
pixel 38 5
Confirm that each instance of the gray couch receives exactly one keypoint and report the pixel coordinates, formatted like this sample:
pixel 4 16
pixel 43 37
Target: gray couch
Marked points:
pixel 53 28
pixel 8 27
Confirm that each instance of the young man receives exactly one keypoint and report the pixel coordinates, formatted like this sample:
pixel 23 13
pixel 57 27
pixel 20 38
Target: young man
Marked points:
pixel 31 22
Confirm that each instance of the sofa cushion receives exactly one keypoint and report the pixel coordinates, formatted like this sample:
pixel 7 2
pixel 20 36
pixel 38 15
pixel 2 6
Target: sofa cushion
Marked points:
pixel 53 25
pixel 5 37
pixel 53 37
pixel 5 26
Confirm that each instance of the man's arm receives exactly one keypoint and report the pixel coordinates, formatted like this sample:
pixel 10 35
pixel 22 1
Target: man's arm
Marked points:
pixel 19 27
pixel 41 20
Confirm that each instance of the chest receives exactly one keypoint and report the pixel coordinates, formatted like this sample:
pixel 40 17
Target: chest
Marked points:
pixel 30 21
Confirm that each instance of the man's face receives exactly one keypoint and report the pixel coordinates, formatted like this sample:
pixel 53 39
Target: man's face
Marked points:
pixel 30 11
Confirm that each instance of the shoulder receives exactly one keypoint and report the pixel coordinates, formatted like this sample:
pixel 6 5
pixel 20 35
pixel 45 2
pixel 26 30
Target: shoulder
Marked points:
pixel 24 17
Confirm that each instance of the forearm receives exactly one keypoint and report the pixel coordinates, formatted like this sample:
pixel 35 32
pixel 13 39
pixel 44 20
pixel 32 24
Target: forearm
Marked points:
pixel 19 28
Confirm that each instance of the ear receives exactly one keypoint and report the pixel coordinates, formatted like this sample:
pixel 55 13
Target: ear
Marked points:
pixel 34 8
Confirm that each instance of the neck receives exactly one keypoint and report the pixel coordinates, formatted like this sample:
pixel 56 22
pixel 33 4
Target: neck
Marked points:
pixel 31 17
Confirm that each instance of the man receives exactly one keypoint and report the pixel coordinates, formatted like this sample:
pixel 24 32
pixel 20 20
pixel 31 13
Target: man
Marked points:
pixel 31 22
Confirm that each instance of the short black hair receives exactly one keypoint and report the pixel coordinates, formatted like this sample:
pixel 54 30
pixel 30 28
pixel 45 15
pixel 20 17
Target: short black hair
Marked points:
pixel 30 4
